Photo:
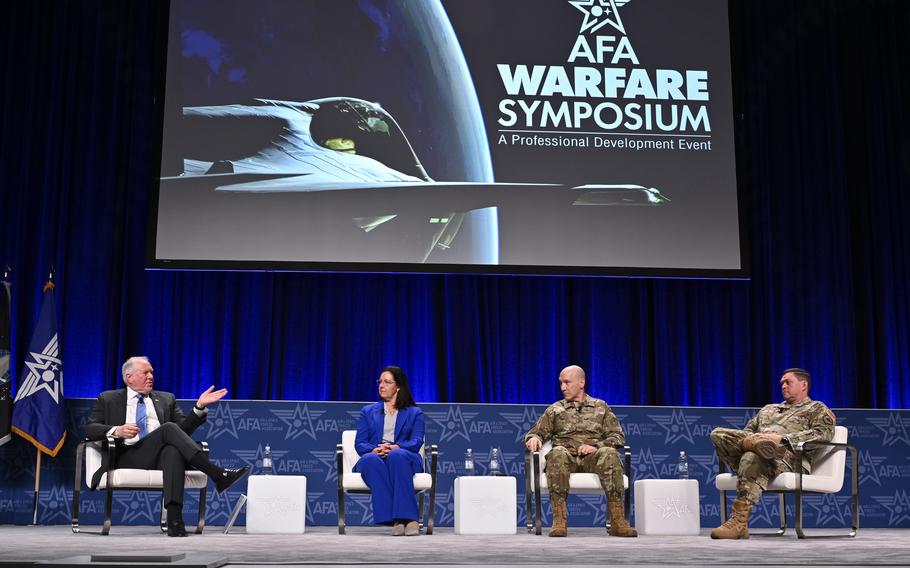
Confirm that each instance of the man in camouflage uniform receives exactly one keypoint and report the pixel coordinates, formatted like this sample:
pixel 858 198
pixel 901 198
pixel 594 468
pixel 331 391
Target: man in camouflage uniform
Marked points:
pixel 585 433
pixel 764 449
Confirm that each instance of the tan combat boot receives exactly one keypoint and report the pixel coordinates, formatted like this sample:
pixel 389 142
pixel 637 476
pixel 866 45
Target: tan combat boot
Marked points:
pixel 764 447
pixel 737 526
pixel 618 524
pixel 558 504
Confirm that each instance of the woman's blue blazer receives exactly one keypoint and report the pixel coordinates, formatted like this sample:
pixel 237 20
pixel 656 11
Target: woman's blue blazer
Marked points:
pixel 409 428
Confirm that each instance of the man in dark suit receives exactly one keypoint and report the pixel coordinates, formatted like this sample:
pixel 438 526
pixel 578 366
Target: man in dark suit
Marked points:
pixel 152 432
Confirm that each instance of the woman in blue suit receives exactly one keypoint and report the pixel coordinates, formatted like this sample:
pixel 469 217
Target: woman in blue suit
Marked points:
pixel 389 438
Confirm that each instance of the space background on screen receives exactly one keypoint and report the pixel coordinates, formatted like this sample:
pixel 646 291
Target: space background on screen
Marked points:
pixel 552 136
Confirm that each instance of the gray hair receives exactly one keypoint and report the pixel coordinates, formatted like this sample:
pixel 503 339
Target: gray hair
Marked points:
pixel 129 365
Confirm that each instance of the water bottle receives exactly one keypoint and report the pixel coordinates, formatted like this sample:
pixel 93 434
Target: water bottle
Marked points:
pixel 267 461
pixel 469 462
pixel 682 468
pixel 494 462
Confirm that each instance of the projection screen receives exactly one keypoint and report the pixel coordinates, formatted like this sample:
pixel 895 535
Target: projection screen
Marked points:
pixel 507 136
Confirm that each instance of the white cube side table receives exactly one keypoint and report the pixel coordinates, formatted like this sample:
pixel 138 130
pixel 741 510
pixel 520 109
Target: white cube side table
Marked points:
pixel 486 505
pixel 276 504
pixel 667 507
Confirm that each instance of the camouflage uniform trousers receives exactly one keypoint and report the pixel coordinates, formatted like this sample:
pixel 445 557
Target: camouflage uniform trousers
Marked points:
pixel 753 472
pixel 604 462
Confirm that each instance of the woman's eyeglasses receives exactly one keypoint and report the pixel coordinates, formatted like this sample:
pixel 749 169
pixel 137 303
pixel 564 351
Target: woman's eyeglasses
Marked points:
pixel 382 382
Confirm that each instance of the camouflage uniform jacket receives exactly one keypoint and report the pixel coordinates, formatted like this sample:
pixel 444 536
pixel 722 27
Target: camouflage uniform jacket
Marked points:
pixel 571 424
pixel 807 421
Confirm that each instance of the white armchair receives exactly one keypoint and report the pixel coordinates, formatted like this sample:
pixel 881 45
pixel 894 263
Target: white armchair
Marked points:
pixel 579 483
pixel 127 479
pixel 350 482
pixel 828 467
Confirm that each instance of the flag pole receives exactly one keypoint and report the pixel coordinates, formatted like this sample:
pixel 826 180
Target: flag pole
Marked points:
pixel 49 285
pixel 37 484
pixel 39 411
pixel 6 386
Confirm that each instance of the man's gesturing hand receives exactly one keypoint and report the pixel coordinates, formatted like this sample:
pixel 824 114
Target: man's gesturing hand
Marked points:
pixel 210 396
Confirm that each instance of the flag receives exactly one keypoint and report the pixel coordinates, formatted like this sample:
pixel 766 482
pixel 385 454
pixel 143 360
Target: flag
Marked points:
pixel 39 413
pixel 6 402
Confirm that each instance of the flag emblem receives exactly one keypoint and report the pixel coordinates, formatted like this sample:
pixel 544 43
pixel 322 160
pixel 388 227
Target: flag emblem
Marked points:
pixel 39 414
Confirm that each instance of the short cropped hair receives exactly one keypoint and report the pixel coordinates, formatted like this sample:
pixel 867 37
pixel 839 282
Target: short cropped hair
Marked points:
pixel 801 374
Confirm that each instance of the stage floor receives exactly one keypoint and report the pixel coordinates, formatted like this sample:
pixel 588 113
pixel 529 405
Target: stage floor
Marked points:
pixel 364 546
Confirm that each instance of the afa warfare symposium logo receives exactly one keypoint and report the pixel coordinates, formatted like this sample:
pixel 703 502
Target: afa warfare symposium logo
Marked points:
pixel 603 87
pixel 599 13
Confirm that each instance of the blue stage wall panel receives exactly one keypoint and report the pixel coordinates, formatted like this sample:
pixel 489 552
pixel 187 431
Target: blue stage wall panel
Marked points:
pixel 303 437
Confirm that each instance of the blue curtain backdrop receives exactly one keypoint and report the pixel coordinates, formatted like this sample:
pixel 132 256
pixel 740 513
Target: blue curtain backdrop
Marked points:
pixel 824 93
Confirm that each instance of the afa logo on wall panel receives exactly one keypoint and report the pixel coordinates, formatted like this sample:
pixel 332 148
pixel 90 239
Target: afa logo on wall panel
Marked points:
pixel 883 467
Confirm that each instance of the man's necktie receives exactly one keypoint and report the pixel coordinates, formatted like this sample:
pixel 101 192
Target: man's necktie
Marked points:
pixel 141 418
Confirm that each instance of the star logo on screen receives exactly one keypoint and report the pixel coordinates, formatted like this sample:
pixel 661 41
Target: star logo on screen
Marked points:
pixel 521 509
pixel 299 421
pixel 454 422
pixel 708 462
pixel 737 421
pixel 599 13
pixel 596 503
pixel 830 508
pixel 312 497
pixel 898 505
pixel 893 427
pixel 676 425
pixel 327 458
pixel 445 507
pixel 521 421
pixel 221 420
pixel 646 464
pixel 671 507
pixel 364 505
pixel 218 506
pixel 55 503
pixel 868 467
pixel 254 457
pixel 138 506
pixel 765 515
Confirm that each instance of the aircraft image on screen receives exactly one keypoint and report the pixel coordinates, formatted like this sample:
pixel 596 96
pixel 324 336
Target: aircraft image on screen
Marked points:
pixel 336 180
